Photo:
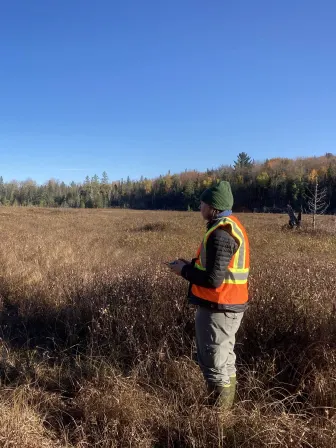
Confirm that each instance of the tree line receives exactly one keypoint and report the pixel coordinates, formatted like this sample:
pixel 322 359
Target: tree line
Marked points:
pixel 257 186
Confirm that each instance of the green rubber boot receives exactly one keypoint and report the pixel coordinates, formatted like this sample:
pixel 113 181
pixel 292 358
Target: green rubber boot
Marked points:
pixel 233 387
pixel 220 396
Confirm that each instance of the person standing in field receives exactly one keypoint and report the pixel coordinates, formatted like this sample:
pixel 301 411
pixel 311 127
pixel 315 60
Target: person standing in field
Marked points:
pixel 218 279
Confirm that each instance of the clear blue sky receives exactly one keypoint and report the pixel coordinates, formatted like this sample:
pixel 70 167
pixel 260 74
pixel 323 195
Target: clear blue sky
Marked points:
pixel 140 87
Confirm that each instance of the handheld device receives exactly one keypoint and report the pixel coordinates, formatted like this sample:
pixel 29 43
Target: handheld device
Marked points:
pixel 169 263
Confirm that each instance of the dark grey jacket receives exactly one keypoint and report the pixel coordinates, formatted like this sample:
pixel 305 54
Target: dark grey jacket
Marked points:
pixel 220 248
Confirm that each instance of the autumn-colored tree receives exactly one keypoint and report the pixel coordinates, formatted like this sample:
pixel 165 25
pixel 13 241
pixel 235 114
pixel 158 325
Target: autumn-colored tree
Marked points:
pixel 270 184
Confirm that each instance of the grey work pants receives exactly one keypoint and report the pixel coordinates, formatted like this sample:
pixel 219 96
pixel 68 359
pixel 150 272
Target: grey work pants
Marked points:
pixel 215 340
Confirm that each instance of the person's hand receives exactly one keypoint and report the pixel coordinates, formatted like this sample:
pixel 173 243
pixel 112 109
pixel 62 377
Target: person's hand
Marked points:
pixel 177 266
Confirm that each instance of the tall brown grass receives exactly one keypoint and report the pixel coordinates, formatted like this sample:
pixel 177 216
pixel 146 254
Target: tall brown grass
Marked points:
pixel 97 337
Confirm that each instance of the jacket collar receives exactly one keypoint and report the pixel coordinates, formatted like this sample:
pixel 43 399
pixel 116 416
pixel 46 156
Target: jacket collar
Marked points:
pixel 219 217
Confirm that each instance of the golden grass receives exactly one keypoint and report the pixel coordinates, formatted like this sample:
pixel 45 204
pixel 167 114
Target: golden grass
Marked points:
pixel 97 337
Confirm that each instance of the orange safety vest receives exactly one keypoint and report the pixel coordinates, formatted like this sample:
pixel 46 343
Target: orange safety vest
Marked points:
pixel 234 289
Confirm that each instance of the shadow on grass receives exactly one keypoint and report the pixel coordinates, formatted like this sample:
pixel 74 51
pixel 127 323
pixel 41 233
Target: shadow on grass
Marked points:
pixel 134 322
pixel 154 227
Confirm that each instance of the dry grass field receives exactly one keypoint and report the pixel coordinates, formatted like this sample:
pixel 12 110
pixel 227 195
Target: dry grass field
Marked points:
pixel 97 337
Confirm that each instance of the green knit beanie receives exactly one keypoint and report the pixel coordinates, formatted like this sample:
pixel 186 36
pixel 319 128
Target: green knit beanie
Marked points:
pixel 219 197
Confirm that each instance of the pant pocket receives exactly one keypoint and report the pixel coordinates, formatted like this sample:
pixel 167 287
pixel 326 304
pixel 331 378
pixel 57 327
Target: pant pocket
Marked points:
pixel 231 315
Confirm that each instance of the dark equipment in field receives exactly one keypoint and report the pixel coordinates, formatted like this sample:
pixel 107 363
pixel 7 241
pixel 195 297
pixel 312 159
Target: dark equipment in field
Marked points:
pixel 293 220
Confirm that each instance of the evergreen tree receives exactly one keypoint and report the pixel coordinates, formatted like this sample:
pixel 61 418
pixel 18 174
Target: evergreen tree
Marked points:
pixel 271 184
pixel 243 161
